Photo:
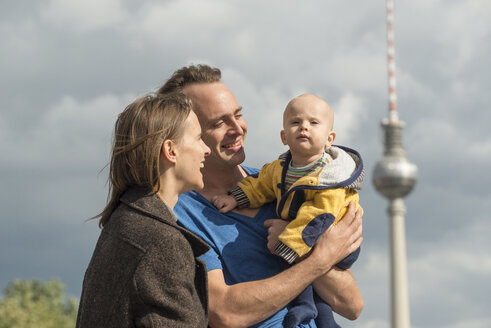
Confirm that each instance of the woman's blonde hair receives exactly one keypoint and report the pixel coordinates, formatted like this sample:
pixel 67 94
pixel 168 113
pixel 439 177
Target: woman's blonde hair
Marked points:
pixel 139 134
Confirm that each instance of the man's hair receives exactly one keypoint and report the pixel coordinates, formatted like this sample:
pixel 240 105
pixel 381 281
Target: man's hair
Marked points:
pixel 188 75
pixel 139 133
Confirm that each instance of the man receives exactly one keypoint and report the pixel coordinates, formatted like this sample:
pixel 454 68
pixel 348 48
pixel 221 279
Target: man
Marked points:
pixel 246 283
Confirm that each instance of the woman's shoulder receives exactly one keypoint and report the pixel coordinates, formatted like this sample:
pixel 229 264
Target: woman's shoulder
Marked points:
pixel 143 230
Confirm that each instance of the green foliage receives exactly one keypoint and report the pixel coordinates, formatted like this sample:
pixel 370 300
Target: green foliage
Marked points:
pixel 37 304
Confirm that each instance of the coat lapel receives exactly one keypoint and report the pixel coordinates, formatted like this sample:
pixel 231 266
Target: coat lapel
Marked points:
pixel 147 202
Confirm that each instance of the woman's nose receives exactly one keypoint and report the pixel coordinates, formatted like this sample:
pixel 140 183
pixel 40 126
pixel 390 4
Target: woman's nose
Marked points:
pixel 206 149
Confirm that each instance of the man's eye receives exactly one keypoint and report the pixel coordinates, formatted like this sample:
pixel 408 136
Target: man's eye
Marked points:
pixel 218 124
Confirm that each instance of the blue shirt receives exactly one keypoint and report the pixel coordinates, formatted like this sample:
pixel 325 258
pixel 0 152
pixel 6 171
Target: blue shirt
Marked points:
pixel 238 243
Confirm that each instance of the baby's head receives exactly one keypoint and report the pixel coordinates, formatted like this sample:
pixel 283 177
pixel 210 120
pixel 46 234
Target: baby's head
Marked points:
pixel 307 125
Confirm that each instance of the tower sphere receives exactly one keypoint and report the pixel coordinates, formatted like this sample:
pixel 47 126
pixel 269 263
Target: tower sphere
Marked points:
pixel 395 176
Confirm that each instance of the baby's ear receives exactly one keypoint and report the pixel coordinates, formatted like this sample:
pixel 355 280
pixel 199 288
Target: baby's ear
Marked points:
pixel 283 138
pixel 330 139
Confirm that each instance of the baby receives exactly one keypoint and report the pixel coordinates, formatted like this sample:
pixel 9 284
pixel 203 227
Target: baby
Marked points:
pixel 312 183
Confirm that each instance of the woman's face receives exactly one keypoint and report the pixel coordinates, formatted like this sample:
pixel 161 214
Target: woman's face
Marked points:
pixel 191 155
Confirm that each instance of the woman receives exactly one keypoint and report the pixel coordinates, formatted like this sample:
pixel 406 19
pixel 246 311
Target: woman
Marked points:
pixel 144 271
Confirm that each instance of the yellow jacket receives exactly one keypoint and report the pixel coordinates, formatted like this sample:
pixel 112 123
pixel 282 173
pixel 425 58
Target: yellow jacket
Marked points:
pixel 312 204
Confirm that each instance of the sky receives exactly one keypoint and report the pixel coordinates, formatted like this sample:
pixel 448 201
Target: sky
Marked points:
pixel 69 67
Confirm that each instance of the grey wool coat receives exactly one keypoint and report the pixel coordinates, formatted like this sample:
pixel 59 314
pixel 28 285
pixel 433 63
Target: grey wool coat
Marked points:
pixel 144 271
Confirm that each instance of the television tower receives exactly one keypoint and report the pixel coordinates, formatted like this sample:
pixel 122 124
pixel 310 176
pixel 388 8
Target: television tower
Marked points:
pixel 394 177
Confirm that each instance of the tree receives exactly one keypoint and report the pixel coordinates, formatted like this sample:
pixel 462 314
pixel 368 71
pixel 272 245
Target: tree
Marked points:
pixel 37 304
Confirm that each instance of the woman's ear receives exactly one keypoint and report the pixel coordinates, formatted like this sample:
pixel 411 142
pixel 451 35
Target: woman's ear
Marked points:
pixel 169 151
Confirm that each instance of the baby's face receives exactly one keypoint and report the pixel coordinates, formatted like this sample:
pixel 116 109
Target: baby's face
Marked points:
pixel 307 125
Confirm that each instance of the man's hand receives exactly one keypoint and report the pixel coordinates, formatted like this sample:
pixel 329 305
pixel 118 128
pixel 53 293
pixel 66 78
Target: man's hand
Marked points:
pixel 339 240
pixel 224 203
pixel 275 228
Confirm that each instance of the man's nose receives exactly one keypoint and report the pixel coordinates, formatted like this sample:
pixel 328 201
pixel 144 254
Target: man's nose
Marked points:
pixel 236 127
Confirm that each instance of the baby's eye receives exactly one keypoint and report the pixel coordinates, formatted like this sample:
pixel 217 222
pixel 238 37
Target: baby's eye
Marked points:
pixel 314 122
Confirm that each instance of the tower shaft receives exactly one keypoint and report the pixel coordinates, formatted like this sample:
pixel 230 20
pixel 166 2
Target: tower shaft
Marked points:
pixel 398 266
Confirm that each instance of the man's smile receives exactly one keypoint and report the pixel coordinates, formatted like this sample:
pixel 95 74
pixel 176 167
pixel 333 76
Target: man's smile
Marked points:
pixel 236 144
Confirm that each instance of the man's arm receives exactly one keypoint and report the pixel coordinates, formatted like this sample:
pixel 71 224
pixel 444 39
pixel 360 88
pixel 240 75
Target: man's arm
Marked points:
pixel 337 287
pixel 247 303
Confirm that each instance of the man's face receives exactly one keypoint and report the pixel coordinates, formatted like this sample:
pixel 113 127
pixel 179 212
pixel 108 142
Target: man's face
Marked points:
pixel 222 124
